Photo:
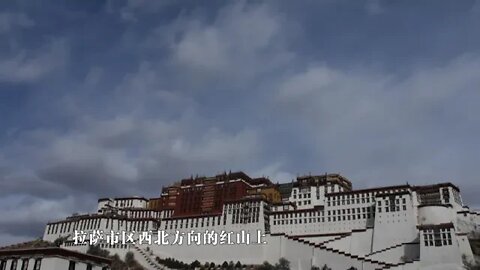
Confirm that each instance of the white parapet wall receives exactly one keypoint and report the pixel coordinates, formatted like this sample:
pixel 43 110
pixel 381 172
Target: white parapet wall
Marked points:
pixel 435 214
pixel 398 254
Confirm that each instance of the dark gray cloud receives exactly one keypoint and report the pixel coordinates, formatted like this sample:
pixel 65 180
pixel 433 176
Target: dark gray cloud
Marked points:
pixel 121 97
pixel 30 185
pixel 11 21
pixel 18 229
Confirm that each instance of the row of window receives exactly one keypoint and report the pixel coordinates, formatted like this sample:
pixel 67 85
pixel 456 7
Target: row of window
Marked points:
pixel 329 212
pixel 392 208
pixel 392 204
pixel 371 194
pixel 72 266
pixel 306 202
pixel 84 224
pixel 358 197
pixel 242 216
pixel 123 203
pixel 251 215
pixel 456 197
pixel 299 214
pixel 194 223
pixel 430 197
pixel 322 219
pixel 92 224
pixel 349 201
pixel 242 205
pixel 24 266
pixel 140 214
pixel 130 225
pixel 306 191
pixel 391 201
pixel 351 210
pixel 437 237
pixel 306 196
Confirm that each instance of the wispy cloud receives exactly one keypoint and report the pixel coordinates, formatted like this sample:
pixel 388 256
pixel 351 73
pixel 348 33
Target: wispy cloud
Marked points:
pixel 11 21
pixel 27 66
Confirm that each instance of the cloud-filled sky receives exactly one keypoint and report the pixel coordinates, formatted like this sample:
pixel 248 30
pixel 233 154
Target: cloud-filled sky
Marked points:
pixel 112 98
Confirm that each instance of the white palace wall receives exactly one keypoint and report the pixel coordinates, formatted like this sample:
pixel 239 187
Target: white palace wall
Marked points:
pixel 366 229
pixel 391 220
pixel 398 253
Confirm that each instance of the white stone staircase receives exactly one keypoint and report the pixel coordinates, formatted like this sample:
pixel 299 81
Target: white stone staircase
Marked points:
pixel 373 263
pixel 147 259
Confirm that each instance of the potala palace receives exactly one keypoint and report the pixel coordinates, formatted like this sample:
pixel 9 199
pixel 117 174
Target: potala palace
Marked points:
pixel 312 221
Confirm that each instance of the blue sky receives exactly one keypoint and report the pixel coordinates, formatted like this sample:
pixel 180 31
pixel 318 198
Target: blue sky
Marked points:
pixel 111 98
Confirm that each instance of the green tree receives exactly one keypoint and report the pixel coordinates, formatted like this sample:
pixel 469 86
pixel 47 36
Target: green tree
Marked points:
pixel 266 266
pixel 130 259
pixel 60 240
pixel 238 265
pixel 468 264
pixel 225 265
pixel 96 250
pixel 283 264
pixel 195 264
pixel 131 262
pixel 314 267
pixel 325 267
pixel 117 263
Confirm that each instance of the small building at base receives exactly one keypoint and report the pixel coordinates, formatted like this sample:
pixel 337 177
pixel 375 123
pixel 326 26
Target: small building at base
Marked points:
pixel 40 255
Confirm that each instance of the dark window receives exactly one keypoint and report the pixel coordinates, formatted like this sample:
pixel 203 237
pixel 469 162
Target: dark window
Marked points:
pixel 438 240
pixel 89 267
pixel 24 264
pixel 13 266
pixel 38 264
pixel 3 264
pixel 71 266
